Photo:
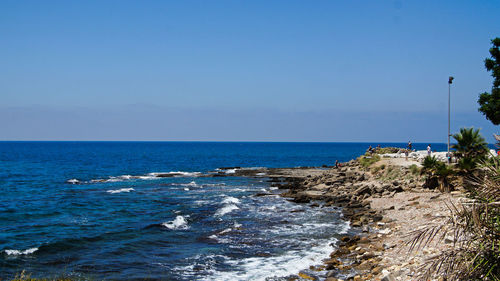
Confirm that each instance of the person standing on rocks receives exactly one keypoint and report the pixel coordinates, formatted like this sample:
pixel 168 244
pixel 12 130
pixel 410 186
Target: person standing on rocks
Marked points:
pixel 370 149
pixel 429 150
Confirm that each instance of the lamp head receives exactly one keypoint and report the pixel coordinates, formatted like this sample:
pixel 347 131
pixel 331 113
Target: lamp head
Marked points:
pixel 450 79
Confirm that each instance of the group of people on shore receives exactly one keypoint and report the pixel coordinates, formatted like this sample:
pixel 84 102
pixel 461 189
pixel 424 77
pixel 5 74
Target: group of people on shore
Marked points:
pixel 373 150
pixel 409 148
pixel 407 151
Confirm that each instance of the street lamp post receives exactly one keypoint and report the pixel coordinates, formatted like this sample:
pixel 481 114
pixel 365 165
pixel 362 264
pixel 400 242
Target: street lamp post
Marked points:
pixel 450 80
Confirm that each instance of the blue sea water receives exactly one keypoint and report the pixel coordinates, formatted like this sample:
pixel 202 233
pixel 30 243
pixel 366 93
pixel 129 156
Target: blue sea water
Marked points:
pixel 97 210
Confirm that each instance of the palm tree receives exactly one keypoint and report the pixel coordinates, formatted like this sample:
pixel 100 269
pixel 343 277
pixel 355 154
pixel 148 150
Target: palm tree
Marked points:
pixel 470 148
pixel 470 144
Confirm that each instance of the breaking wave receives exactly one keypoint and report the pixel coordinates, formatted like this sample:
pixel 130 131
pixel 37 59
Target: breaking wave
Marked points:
pixel 149 176
pixel 263 268
pixel 120 190
pixel 178 223
pixel 226 210
pixel 20 252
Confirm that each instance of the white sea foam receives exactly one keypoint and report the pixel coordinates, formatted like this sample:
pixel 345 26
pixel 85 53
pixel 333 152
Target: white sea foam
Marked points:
pixel 191 184
pixel 229 200
pixel 178 223
pixel 230 171
pixel 113 179
pixel 226 230
pixel 120 190
pixel 192 270
pixel 73 181
pixel 260 268
pixel 238 189
pixel 215 184
pixel 190 174
pixel 150 176
pixel 175 174
pixel 226 209
pixel 186 189
pixel 236 225
pixel 201 202
pixel 18 252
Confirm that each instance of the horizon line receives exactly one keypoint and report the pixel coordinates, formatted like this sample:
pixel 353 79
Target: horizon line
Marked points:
pixel 222 141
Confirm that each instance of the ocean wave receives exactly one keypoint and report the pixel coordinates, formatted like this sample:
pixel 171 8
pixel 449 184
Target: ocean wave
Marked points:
pixel 230 199
pixel 20 252
pixel 178 223
pixel 150 176
pixel 226 210
pixel 191 184
pixel 226 230
pixel 263 268
pixel 147 178
pixel 120 190
pixel 215 184
pixel 201 263
pixel 338 227
pixel 175 174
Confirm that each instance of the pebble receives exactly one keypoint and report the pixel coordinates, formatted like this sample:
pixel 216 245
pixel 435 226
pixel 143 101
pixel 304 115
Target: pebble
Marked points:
pixel 385 231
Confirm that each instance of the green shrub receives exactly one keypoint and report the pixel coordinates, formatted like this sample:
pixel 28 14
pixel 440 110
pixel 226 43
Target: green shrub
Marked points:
pixel 385 150
pixel 367 161
pixel 414 169
pixel 434 168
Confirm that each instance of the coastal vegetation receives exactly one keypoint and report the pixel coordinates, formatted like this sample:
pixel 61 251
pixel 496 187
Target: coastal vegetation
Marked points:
pixel 414 169
pixel 437 171
pixel 368 159
pixel 474 223
pixel 384 150
pixel 475 226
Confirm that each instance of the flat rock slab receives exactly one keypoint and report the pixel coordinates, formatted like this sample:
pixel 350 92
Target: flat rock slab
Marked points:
pixel 313 193
pixel 320 187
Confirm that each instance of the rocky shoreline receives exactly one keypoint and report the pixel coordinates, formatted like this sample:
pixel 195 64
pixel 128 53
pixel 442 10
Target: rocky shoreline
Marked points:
pixel 372 199
pixel 384 200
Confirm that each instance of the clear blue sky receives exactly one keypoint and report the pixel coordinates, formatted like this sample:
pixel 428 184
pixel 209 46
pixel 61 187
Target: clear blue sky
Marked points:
pixel 243 70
